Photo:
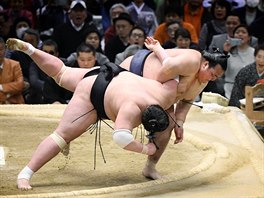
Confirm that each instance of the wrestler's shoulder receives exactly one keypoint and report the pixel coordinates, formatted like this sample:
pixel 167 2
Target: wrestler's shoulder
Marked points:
pixel 184 51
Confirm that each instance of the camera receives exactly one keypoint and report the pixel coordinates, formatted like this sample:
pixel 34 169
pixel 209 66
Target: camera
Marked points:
pixel 235 41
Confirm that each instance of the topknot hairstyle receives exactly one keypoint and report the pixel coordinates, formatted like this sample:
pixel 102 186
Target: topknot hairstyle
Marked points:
pixel 216 57
pixel 155 119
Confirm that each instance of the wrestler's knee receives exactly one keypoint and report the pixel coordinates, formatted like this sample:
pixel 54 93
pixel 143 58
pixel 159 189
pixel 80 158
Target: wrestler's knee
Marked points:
pixel 59 140
pixel 59 76
pixel 122 137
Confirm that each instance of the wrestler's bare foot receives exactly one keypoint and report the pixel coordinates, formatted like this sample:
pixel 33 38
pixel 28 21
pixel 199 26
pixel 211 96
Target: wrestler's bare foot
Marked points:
pixel 23 184
pixel 16 44
pixel 150 171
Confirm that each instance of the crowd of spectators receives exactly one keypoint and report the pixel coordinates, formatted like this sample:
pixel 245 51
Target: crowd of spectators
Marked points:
pixel 85 33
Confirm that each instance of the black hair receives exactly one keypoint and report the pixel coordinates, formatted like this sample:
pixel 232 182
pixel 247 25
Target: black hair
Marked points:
pixel 182 32
pixel 258 48
pixel 85 47
pixel 20 19
pixel 32 31
pixel 216 57
pixel 50 42
pixel 138 28
pixel 173 22
pixel 155 119
pixel 92 30
pixel 222 3
pixel 244 26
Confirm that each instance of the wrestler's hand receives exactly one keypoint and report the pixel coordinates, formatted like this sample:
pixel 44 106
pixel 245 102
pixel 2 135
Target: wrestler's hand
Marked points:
pixel 152 43
pixel 178 134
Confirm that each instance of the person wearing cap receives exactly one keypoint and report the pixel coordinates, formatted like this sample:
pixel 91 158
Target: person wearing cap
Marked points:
pixel 71 34
pixel 123 25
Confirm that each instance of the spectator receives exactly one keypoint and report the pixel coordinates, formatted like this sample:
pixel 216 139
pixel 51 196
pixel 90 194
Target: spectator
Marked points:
pixel 11 79
pixel 86 57
pixel 218 41
pixel 136 42
pixel 114 12
pixel 93 38
pixel 143 16
pixel 173 14
pixel 240 56
pixel 123 25
pixel 20 25
pixel 161 8
pixel 183 39
pixel 71 34
pixel 257 29
pixel 196 14
pixel 16 9
pixel 55 94
pixel 248 76
pixel 231 23
pixel 220 10
pixel 249 13
pixel 32 36
pixel 51 15
pixel 172 27
pixel 5 25
pixel 37 77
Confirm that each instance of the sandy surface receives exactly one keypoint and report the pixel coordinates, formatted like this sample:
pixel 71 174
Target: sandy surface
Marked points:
pixel 222 156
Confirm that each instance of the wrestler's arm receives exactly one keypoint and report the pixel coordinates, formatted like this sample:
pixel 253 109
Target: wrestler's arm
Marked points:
pixel 185 63
pixel 181 111
pixel 128 116
pixel 154 45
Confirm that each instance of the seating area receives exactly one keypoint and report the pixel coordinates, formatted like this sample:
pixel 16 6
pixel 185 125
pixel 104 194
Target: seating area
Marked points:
pixel 253 106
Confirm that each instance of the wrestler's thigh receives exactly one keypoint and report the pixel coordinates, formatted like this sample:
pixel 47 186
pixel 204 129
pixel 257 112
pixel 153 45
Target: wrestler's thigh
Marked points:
pixel 71 77
pixel 76 119
pixel 126 63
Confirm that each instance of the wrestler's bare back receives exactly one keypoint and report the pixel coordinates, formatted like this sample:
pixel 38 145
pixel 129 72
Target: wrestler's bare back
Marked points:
pixel 189 84
pixel 129 90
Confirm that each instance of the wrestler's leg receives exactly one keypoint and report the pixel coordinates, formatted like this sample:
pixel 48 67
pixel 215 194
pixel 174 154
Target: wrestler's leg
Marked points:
pixel 65 132
pixel 49 64
pixel 161 140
